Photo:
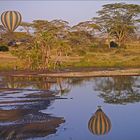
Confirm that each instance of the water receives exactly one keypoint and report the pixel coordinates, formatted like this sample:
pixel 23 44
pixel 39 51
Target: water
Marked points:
pixel 41 108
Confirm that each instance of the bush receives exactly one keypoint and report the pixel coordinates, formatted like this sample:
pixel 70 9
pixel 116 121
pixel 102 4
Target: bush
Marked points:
pixel 81 52
pixel 94 46
pixel 4 48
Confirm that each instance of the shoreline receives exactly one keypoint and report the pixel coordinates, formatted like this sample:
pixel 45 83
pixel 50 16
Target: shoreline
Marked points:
pixel 75 72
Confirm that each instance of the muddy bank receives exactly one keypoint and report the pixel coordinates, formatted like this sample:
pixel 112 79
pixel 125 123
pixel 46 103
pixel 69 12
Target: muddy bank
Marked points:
pixel 75 72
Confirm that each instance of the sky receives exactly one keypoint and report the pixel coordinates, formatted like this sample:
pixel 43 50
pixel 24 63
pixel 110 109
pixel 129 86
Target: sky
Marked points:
pixel 72 11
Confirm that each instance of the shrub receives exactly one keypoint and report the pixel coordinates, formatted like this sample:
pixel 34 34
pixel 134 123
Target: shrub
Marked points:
pixel 4 48
pixel 81 52
pixel 94 46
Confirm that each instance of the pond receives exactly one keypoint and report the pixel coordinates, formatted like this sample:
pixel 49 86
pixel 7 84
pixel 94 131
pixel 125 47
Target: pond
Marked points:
pixel 43 108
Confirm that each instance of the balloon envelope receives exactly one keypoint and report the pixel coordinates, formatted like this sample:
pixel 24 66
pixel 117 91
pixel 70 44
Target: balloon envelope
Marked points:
pixel 99 123
pixel 11 20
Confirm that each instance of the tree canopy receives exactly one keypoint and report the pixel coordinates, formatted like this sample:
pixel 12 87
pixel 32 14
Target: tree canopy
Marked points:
pixel 118 20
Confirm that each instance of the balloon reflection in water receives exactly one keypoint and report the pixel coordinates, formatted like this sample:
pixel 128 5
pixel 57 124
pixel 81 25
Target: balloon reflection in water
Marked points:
pixel 99 123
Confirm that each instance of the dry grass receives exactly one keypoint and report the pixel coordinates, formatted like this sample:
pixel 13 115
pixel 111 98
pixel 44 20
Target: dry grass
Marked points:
pixel 8 61
pixel 98 57
pixel 128 57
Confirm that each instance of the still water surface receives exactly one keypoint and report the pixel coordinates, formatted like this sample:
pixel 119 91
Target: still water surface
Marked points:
pixel 41 108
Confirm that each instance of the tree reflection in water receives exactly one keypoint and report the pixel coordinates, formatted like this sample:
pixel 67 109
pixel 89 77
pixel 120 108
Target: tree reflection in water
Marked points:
pixel 20 116
pixel 62 86
pixel 118 90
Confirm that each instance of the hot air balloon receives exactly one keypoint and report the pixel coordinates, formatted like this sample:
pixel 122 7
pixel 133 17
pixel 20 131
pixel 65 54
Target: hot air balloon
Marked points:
pixel 99 123
pixel 11 20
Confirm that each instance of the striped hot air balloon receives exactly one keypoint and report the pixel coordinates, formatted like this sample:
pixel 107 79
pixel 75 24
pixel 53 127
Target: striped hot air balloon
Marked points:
pixel 99 123
pixel 11 20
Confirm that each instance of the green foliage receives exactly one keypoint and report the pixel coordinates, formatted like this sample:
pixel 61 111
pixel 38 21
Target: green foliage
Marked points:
pixel 80 38
pixel 94 45
pixel 17 36
pixel 81 52
pixel 118 20
pixel 4 48
pixel 46 50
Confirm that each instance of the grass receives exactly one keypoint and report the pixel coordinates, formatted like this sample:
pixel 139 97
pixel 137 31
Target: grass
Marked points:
pixel 97 57
pixel 8 62
pixel 118 57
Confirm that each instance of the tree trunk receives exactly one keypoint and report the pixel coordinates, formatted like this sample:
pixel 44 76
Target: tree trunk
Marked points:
pixel 108 36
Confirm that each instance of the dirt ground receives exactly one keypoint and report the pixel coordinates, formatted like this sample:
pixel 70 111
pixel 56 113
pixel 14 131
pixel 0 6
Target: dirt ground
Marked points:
pixel 75 72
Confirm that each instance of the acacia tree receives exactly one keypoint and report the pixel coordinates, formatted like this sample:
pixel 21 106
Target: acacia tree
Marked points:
pixel 118 20
pixel 87 26
pixel 2 30
pixel 46 48
pixel 52 45
pixel 26 26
